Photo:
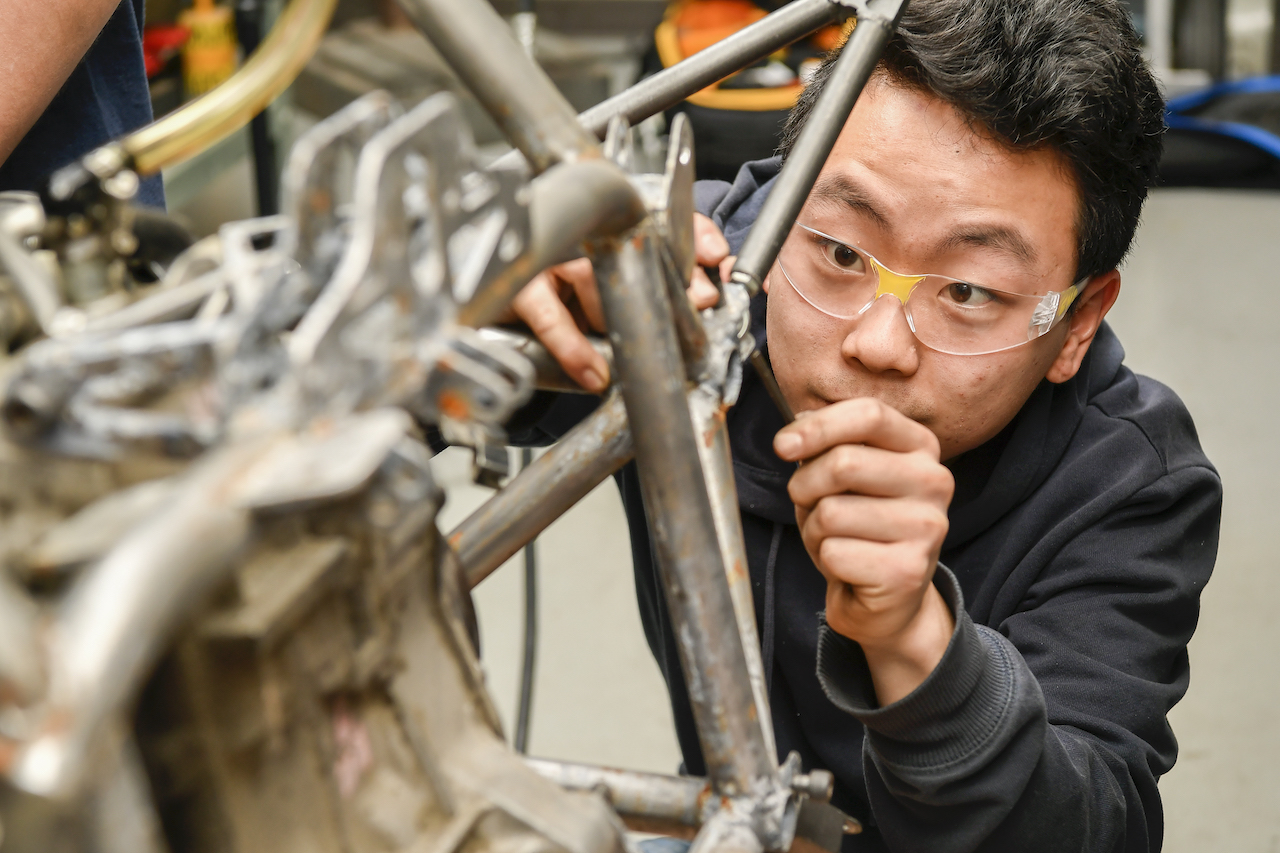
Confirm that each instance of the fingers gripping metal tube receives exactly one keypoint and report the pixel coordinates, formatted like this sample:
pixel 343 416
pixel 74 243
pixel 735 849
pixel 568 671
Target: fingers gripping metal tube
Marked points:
pixel 567 205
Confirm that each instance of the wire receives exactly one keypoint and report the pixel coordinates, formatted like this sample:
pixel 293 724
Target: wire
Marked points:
pixel 525 710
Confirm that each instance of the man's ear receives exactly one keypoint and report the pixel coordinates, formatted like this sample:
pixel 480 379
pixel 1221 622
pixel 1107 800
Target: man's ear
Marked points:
pixel 1091 307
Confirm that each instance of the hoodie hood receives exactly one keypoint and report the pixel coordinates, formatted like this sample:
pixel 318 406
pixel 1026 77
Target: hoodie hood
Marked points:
pixel 991 479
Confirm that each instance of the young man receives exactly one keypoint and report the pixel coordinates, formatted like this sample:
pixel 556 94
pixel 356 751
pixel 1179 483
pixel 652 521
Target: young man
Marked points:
pixel 976 593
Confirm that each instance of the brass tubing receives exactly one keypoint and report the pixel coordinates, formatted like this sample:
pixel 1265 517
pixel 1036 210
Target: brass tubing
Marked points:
pixel 271 69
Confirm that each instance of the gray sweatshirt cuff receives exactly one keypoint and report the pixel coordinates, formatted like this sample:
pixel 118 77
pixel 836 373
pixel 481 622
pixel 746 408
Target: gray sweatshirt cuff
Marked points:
pixel 949 720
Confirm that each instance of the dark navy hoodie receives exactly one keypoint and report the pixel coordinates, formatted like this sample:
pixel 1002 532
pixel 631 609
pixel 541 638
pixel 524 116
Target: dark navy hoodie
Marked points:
pixel 1080 539
pixel 105 97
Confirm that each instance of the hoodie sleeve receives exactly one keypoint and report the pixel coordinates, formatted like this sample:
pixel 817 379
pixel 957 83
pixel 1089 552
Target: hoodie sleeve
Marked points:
pixel 1048 734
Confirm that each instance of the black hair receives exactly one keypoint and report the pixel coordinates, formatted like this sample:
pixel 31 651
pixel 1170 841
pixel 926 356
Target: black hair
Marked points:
pixel 1066 74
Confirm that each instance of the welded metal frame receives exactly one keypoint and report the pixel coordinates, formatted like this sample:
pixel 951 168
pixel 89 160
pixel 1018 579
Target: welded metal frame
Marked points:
pixel 674 379
pixel 676 374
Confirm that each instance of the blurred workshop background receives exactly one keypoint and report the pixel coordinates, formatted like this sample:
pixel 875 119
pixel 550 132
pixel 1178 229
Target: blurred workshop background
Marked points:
pixel 1200 291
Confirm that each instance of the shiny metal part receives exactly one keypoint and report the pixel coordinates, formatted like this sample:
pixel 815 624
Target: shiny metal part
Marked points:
pixel 33 282
pixel 647 801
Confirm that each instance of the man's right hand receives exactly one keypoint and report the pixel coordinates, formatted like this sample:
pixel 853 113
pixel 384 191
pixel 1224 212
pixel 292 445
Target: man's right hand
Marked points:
pixel 544 305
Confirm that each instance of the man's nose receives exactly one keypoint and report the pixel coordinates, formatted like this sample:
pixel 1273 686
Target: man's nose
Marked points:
pixel 882 340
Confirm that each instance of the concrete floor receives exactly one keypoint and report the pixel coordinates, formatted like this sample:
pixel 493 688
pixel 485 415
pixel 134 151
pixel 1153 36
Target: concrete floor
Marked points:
pixel 1198 311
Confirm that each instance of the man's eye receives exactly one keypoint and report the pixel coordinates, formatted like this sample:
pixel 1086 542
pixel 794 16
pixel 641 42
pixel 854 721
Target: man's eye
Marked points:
pixel 843 257
pixel 967 294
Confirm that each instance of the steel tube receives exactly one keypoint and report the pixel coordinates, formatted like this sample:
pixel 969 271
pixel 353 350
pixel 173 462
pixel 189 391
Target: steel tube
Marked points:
pixel 709 425
pixel 675 799
pixel 567 205
pixel 746 47
pixel 541 493
pixel 651 375
pixel 271 69
pixel 481 49
pixel 857 60
pixel 548 374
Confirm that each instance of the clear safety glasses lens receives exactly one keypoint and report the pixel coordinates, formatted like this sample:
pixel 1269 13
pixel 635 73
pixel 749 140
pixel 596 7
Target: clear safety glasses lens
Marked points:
pixel 946 314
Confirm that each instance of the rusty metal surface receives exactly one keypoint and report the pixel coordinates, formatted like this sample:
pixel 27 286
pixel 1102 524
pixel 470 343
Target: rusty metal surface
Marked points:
pixel 538 495
pixel 680 800
pixel 227 619
pixel 651 375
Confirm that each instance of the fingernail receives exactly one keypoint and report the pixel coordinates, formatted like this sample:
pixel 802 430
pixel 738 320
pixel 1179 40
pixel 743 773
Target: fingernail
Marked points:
pixel 594 381
pixel 787 444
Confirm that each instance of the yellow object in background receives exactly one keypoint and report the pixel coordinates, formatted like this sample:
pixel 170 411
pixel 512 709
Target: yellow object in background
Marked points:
pixel 210 54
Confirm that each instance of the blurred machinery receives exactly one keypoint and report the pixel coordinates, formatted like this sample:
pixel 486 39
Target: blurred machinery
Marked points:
pixel 228 620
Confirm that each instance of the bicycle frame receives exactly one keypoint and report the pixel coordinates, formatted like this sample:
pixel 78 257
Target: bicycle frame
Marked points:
pixel 333 431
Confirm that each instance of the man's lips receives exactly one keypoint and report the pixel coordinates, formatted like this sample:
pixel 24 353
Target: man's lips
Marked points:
pixel 825 400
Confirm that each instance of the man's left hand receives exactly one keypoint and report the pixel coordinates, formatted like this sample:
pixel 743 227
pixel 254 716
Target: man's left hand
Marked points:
pixel 871 500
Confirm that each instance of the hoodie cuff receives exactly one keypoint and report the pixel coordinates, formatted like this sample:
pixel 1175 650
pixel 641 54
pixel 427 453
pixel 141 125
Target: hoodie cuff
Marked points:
pixel 949 717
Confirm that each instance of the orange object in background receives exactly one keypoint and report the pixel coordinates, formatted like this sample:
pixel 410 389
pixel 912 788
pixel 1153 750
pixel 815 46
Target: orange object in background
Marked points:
pixel 209 56
pixel 693 25
pixel 703 23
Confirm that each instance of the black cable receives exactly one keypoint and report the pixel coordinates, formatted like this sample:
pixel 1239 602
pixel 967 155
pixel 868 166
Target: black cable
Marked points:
pixel 249 32
pixel 530 632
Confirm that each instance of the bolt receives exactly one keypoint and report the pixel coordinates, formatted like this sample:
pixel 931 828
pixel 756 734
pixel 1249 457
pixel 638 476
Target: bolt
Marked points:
pixel 817 784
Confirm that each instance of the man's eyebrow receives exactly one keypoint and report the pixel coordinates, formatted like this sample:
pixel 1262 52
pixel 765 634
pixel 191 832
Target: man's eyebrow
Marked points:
pixel 1000 237
pixel 841 190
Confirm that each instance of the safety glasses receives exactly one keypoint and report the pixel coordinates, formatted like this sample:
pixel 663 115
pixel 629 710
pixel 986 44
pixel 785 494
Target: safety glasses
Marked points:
pixel 946 314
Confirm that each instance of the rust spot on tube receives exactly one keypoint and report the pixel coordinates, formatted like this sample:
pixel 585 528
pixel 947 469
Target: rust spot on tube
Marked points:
pixel 8 751
pixel 454 405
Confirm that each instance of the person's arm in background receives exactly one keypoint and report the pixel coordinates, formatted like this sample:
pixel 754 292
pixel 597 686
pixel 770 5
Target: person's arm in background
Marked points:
pixel 40 44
